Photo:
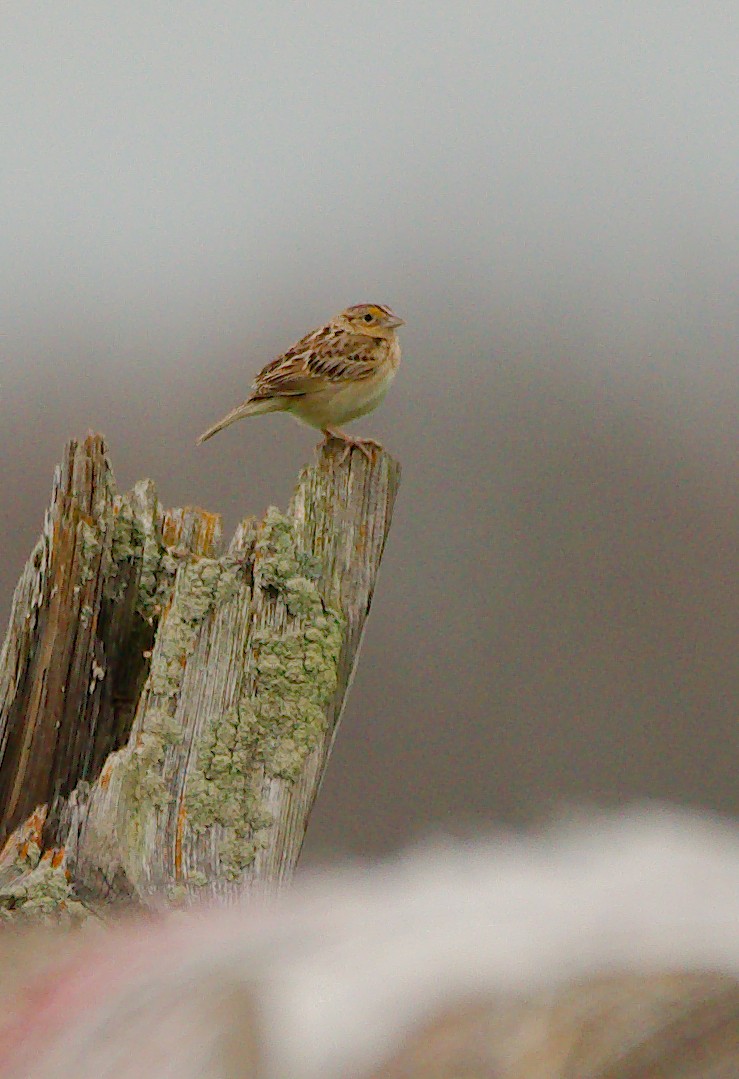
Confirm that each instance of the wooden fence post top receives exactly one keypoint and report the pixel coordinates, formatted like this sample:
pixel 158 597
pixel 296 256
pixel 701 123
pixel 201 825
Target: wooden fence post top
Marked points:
pixel 167 707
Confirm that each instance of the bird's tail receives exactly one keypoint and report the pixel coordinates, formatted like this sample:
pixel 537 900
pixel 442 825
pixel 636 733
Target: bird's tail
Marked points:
pixel 250 407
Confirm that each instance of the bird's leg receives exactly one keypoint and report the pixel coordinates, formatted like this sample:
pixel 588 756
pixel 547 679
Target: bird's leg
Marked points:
pixel 364 445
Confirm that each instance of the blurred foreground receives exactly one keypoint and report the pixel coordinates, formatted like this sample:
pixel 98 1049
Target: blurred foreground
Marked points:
pixel 606 949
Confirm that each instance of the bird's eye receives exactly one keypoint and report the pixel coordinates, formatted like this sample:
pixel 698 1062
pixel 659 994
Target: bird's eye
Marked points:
pixel 368 318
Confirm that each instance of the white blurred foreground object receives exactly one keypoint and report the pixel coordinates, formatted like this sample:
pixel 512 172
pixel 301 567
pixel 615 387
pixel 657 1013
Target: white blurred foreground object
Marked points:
pixel 607 949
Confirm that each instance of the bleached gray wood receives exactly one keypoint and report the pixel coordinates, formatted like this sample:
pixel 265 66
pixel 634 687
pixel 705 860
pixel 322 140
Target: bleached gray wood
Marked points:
pixel 167 710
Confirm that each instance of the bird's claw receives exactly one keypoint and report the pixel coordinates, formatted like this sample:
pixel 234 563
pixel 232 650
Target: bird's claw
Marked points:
pixel 366 446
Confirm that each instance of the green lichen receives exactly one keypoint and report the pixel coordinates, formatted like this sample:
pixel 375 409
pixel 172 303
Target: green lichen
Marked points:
pixel 290 678
pixel 222 791
pixel 177 895
pixel 155 579
pixel 201 586
pixel 126 544
pixel 136 540
pixel 142 782
pixel 44 894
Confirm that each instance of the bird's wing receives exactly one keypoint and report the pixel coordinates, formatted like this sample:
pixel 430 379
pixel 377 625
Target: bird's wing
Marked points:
pixel 318 359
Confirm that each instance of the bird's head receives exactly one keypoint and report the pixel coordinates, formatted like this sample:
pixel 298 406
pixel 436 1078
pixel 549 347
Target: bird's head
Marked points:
pixel 370 319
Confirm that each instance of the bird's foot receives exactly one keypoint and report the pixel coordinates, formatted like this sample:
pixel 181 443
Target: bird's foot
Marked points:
pixel 367 446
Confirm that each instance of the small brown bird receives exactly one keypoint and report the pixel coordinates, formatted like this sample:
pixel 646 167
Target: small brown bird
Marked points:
pixel 334 374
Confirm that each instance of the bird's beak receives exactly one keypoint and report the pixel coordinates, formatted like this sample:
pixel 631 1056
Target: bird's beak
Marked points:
pixel 393 321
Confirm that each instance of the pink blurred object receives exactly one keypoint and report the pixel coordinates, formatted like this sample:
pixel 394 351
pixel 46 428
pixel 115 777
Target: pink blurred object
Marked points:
pixel 339 974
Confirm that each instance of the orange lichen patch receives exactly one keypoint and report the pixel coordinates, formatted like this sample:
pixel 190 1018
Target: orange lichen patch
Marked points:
pixel 211 525
pixel 183 659
pixel 35 824
pixel 55 855
pixel 181 817
pixel 171 527
pixel 361 539
pixel 93 441
pixel 105 775
pixel 18 842
pixel 204 533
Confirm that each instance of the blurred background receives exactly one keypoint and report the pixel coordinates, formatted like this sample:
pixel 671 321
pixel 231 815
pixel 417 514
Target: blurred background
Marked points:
pixel 548 194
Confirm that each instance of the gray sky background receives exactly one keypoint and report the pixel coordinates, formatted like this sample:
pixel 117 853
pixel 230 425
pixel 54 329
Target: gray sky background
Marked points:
pixel 548 193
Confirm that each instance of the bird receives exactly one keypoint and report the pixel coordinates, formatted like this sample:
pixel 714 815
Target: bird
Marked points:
pixel 334 374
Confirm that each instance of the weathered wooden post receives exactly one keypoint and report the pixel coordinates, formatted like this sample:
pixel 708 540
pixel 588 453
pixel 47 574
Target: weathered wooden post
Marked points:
pixel 167 709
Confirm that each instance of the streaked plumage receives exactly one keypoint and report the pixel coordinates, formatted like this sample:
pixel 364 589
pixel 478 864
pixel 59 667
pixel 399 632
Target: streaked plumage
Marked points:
pixel 331 376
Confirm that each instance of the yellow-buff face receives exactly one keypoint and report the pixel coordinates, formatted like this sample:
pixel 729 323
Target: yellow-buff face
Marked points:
pixel 371 319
